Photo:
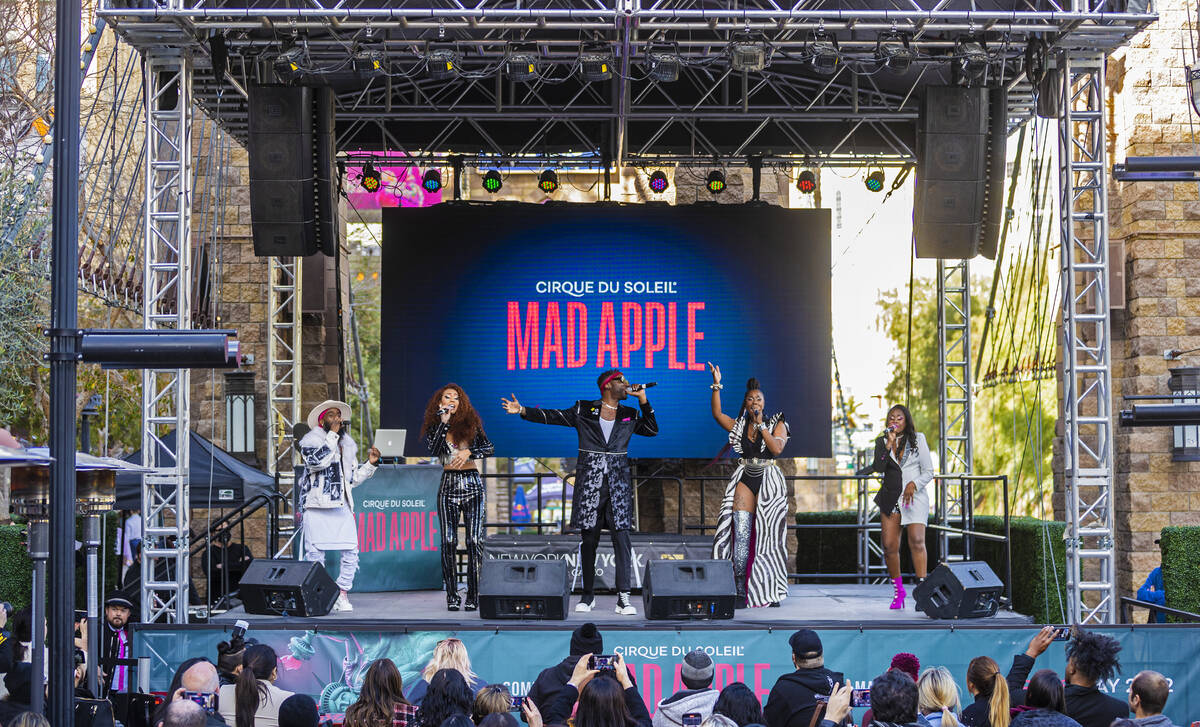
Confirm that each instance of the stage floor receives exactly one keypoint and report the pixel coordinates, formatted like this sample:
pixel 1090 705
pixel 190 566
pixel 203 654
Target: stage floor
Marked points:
pixel 846 605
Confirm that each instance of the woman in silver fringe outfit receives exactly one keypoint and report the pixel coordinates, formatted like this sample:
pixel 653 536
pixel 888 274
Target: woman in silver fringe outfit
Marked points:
pixel 751 530
pixel 454 434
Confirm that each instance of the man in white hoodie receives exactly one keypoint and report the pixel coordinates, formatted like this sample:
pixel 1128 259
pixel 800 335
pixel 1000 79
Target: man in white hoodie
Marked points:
pixel 698 696
pixel 331 470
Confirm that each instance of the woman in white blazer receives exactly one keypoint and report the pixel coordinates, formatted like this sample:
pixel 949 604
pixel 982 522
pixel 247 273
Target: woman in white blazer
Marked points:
pixel 902 457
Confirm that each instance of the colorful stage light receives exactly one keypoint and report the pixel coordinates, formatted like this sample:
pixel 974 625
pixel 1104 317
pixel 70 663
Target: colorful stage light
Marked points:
pixel 716 181
pixel 874 181
pixel 432 180
pixel 807 182
pixel 370 178
pixel 492 181
pixel 659 182
pixel 548 181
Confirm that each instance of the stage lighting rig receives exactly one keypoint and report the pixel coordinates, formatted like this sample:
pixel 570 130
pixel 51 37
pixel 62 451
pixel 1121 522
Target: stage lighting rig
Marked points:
pixel 972 57
pixel 716 181
pixel 442 63
pixel 664 62
pixel 521 63
pixel 659 182
pixel 595 61
pixel 893 52
pixel 874 181
pixel 369 62
pixel 290 62
pixel 370 179
pixel 806 182
pixel 548 181
pixel 492 181
pixel 431 181
pixel 748 52
pixel 823 52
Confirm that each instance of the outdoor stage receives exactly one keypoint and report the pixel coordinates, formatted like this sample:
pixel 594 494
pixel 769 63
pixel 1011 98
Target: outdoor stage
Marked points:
pixel 854 605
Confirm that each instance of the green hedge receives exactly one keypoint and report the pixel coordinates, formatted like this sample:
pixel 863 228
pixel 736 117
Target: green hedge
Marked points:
pixel 836 551
pixel 16 568
pixel 1181 568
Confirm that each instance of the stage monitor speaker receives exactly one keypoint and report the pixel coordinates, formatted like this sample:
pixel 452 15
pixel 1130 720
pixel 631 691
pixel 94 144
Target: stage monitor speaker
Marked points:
pixel 952 170
pixel 283 195
pixel 524 589
pixel 968 589
pixel 287 588
pixel 688 589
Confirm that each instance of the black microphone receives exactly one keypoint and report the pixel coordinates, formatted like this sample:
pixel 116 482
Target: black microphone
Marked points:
pixel 443 410
pixel 639 387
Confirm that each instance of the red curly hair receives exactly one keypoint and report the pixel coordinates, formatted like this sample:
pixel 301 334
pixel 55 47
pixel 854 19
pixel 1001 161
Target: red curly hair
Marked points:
pixel 464 422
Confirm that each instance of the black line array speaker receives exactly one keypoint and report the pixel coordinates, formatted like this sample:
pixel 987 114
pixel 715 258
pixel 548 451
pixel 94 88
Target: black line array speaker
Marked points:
pixel 956 163
pixel 968 589
pixel 688 589
pixel 524 589
pixel 287 588
pixel 293 182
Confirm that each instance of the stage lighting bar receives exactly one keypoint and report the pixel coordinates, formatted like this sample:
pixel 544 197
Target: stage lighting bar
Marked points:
pixel 659 182
pixel 595 62
pixel 874 181
pixel 747 53
pixel 548 181
pixel 492 181
pixel 370 179
pixel 664 62
pixel 893 53
pixel 823 52
pixel 431 181
pixel 521 63
pixel 443 63
pixel 973 59
pixel 716 181
pixel 807 182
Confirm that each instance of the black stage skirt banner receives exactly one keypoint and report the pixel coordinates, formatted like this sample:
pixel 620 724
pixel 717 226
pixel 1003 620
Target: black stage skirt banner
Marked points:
pixel 566 547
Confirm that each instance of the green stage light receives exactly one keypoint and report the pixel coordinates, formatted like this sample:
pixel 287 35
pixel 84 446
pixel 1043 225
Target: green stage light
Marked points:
pixel 716 181
pixel 874 181
pixel 370 179
pixel 548 181
pixel 432 181
pixel 492 182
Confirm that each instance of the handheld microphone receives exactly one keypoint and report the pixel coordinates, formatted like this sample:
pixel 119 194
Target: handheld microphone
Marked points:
pixel 443 410
pixel 639 387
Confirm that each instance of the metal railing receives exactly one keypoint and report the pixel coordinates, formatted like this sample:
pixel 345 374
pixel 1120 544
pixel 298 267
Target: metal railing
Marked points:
pixel 1128 603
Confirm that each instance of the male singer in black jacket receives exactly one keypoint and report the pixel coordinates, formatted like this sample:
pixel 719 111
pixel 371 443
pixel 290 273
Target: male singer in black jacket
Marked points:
pixel 603 495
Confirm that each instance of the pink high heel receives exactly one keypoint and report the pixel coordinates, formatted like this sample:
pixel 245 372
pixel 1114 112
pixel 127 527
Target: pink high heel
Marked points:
pixel 900 593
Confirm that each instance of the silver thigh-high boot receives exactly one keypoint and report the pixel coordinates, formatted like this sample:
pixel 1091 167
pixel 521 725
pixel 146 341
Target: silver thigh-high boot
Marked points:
pixel 742 521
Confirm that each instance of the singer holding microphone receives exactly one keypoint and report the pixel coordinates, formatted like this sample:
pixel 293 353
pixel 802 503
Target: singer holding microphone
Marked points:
pixel 902 457
pixel 755 505
pixel 603 495
pixel 454 433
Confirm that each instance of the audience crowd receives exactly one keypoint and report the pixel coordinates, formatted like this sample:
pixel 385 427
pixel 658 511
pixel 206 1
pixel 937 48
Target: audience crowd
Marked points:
pixel 239 691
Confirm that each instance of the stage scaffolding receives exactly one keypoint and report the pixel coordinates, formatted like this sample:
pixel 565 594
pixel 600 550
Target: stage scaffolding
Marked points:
pixel 785 115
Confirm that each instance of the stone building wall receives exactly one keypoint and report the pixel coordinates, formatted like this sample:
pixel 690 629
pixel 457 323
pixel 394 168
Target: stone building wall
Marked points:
pixel 1159 224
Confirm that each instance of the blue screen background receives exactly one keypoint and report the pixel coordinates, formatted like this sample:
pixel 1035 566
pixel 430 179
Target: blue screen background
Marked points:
pixel 451 270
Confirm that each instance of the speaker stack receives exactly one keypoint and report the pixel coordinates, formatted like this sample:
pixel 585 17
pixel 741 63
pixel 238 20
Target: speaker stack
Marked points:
pixel 524 589
pixel 688 589
pixel 293 180
pixel 968 589
pixel 287 588
pixel 961 145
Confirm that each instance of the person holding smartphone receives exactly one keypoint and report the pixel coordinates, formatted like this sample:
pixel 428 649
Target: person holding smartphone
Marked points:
pixel 754 509
pixel 695 701
pixel 902 457
pixel 331 470
pixel 606 696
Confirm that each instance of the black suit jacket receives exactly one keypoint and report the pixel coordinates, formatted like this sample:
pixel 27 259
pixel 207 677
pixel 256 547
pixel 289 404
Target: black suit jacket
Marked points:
pixel 884 464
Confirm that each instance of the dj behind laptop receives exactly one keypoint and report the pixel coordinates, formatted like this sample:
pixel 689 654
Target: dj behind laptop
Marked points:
pixel 390 443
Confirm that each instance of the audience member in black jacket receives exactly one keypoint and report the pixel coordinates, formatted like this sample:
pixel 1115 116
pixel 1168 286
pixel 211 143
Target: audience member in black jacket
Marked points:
pixel 584 640
pixel 991 690
pixel 1091 659
pixel 605 698
pixel 1044 703
pixel 793 698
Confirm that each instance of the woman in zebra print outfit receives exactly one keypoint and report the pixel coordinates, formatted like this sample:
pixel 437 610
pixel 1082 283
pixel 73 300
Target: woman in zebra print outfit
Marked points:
pixel 751 529
pixel 454 434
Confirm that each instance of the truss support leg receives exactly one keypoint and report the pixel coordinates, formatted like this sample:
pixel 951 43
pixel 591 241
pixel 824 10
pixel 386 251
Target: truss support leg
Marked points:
pixel 283 385
pixel 955 447
pixel 167 304
pixel 1086 354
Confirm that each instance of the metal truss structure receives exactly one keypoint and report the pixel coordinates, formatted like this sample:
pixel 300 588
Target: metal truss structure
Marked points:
pixel 955 445
pixel 283 382
pixel 1086 352
pixel 167 286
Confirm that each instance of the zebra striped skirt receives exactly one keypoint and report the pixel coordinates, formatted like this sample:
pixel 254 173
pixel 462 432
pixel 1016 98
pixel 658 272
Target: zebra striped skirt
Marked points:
pixel 767 581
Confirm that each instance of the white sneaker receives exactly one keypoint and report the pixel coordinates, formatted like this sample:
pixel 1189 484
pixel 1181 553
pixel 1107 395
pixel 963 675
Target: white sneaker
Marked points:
pixel 342 603
pixel 624 606
pixel 585 606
